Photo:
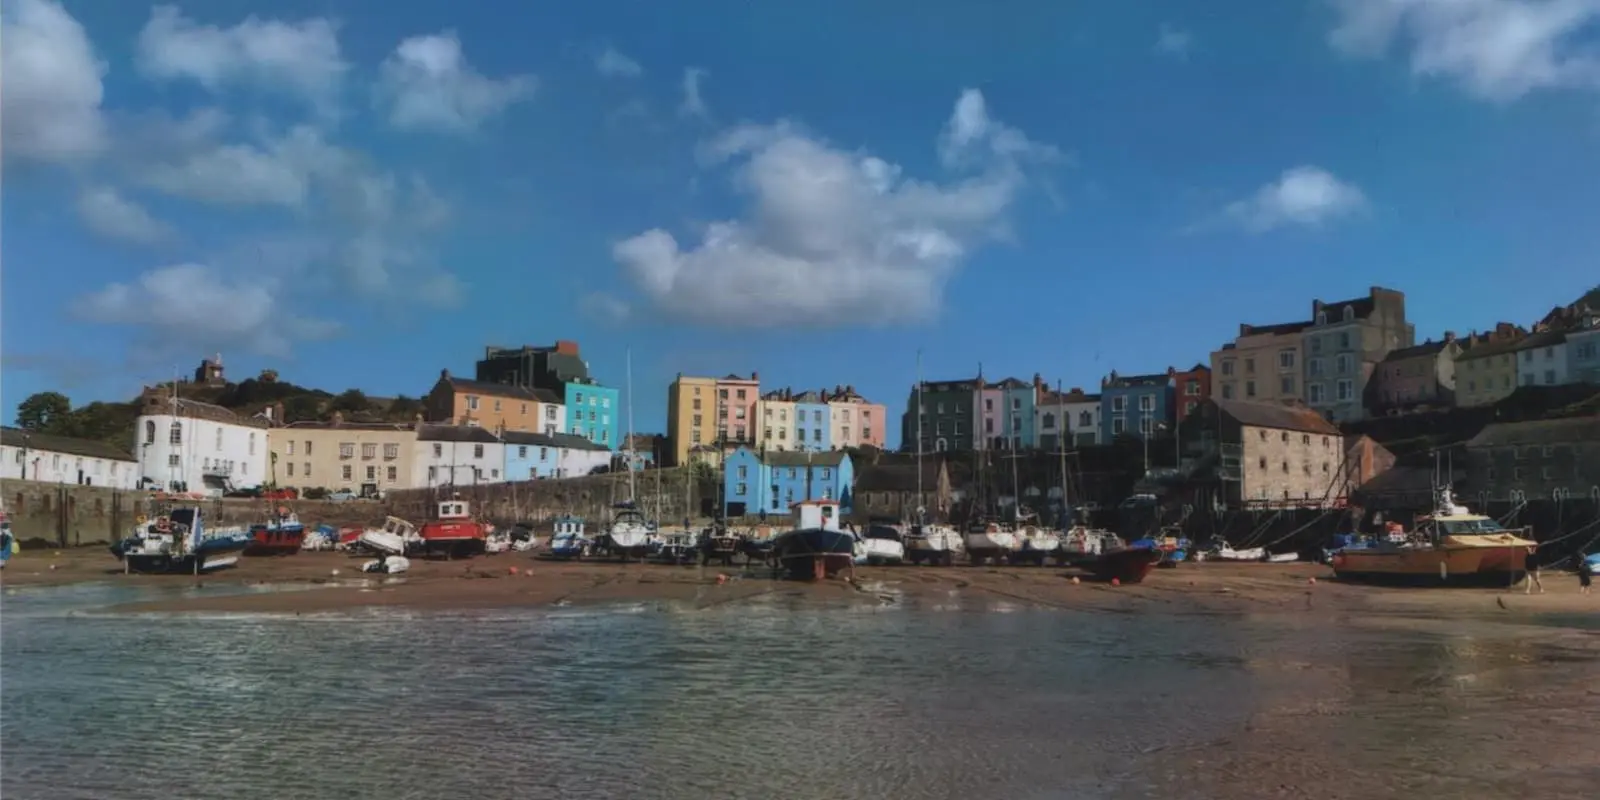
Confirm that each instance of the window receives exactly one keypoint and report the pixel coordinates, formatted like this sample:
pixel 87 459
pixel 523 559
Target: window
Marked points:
pixel 739 394
pixel 175 436
pixel 1262 462
pixel 252 444
pixel 372 473
pixel 438 450
pixel 391 452
pixel 172 461
pixel 1249 366
pixel 345 471
pixel 1550 377
pixel 394 473
pixel 1517 473
pixel 1315 392
pixel 1344 338
pixel 1191 388
pixel 497 406
pixel 307 471
pixel 472 402
pixel 740 489
pixel 1286 385
pixel 308 447
pixel 1342 363
pixel 827 473
pixel 816 435
pixel 1227 391
pixel 1286 468
pixel 290 467
pixel 149 431
pixel 1117 426
pixel 1316 344
pixel 1472 386
pixel 1285 359
pixel 477 473
pixel 524 411
pixel 1314 367
pixel 1016 404
pixel 477 451
pixel 1048 422
pixel 1227 366
pixel 1147 403
pixel 1119 405
pixel 522 451
pixel 1346 390
pixel 1249 388
pixel 369 452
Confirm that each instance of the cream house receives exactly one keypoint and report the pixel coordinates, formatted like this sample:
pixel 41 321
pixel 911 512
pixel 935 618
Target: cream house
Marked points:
pixel 776 414
pixel 1263 364
pixel 362 457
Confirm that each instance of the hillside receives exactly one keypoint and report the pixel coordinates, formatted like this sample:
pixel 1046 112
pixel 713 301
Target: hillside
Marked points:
pixel 113 423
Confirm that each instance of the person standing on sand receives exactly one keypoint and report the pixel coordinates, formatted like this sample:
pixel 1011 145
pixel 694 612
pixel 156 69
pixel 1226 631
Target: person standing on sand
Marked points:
pixel 1585 575
pixel 1532 568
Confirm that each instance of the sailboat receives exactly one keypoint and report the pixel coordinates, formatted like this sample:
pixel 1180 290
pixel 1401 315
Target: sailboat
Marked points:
pixel 1035 542
pixel 925 543
pixel 986 538
pixel 629 535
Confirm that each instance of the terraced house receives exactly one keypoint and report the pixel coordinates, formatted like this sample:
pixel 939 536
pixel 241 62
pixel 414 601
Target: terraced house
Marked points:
pixel 1344 345
pixel 366 458
pixel 1262 364
pixel 494 406
pixel 941 414
pixel 1135 405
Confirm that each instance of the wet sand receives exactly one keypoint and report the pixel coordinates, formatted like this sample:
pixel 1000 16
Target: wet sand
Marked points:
pixel 518 580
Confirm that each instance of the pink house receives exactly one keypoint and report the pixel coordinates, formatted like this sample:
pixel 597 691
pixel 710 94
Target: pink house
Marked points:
pixel 735 415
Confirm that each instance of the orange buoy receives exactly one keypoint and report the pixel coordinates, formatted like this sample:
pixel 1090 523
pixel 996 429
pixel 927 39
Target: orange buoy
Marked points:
pixel 512 570
pixel 1312 580
pixel 1116 581
pixel 721 579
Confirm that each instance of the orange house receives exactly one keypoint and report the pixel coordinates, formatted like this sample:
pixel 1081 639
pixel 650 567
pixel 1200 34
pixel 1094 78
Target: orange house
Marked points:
pixel 1191 387
pixel 495 406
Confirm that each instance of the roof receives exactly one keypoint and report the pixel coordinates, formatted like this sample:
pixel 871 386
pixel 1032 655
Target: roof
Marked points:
pixel 1399 480
pixel 433 432
pixel 563 441
pixel 1276 329
pixel 1546 431
pixel 1116 381
pixel 898 477
pixel 570 442
pixel 1424 349
pixel 17 437
pixel 1334 312
pixel 309 425
pixel 157 402
pixel 783 458
pixel 502 390
pixel 1051 399
pixel 1546 339
pixel 1276 416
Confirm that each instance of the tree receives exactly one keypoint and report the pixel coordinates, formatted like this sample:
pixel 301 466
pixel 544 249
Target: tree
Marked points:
pixel 351 401
pixel 404 408
pixel 301 408
pixel 44 412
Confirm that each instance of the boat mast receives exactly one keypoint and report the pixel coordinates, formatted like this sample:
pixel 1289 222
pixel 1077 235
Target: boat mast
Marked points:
pixel 629 368
pixel 1061 447
pixel 921 501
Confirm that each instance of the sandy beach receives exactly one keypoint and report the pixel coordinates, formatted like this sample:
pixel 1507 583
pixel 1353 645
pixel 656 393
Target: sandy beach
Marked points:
pixel 518 580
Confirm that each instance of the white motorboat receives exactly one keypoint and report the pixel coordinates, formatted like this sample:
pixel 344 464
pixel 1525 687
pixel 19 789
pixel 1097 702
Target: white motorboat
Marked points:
pixel 387 565
pixel 394 538
pixel 1226 553
pixel 629 535
pixel 880 545
pixel 933 544
pixel 1083 544
pixel 567 540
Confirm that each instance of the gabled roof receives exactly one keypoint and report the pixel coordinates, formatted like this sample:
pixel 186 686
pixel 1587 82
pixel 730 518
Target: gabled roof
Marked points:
pixel 563 441
pixel 898 477
pixel 1540 432
pixel 1424 349
pixel 88 448
pixel 825 458
pixel 1277 416
pixel 433 432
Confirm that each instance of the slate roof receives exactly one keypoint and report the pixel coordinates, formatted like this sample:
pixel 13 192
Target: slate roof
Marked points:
pixel 1546 339
pixel 1276 329
pixel 431 432
pixel 1276 416
pixel 1548 431
pixel 898 477
pixel 1424 349
pixel 565 441
pixel 826 458
pixel 502 390
pixel 89 448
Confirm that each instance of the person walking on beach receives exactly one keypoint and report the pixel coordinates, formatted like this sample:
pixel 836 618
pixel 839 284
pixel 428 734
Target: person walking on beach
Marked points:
pixel 1532 568
pixel 1585 575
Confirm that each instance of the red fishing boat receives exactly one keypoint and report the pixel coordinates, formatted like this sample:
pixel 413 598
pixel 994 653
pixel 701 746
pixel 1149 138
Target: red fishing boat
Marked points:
pixel 453 531
pixel 281 535
pixel 1126 565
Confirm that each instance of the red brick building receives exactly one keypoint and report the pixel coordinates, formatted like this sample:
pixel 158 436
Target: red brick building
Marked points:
pixel 1191 387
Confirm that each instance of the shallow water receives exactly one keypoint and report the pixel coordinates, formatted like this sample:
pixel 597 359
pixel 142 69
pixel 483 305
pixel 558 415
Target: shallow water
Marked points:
pixel 758 700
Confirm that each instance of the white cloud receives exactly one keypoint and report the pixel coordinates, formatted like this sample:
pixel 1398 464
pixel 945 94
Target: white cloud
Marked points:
pixel 613 64
pixel 1304 195
pixel 605 307
pixel 835 237
pixel 427 84
pixel 204 310
pixel 1498 50
pixel 107 213
pixel 277 172
pixel 1171 41
pixel 300 58
pixel 693 105
pixel 53 90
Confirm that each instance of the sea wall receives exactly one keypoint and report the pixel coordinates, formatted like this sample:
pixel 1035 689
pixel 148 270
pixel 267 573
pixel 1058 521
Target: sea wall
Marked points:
pixel 666 494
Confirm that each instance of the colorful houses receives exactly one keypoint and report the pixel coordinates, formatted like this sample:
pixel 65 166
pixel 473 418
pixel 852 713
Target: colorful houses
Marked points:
pixel 536 456
pixel 768 483
pixel 456 455
pixel 941 413
pixel 1067 419
pixel 731 411
pixel 1135 405
pixel 1415 378
pixel 1344 345
pixel 365 458
pixel 557 374
pixel 495 406
pixel 593 412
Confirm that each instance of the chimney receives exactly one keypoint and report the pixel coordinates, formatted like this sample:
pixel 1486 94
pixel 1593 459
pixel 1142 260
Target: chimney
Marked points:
pixel 417 418
pixel 338 418
pixel 755 376
pixel 566 347
pixel 444 374
pixel 1171 371
pixel 1449 336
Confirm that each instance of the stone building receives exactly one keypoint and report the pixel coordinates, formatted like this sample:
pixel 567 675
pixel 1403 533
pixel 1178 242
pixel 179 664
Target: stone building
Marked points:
pixel 1417 378
pixel 1541 459
pixel 1273 454
pixel 891 490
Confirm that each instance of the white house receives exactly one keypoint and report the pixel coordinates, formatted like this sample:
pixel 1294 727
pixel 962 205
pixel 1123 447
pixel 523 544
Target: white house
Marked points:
pixel 577 456
pixel 189 446
pixel 1083 417
pixel 1542 359
pixel 456 455
pixel 25 455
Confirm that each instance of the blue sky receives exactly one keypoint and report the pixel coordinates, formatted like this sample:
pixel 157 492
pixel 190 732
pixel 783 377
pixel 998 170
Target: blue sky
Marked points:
pixel 363 193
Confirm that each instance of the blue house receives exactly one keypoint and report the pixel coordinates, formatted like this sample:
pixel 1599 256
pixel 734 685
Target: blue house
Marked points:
pixel 813 422
pixel 594 412
pixel 1136 405
pixel 771 483
pixel 1018 415
pixel 532 456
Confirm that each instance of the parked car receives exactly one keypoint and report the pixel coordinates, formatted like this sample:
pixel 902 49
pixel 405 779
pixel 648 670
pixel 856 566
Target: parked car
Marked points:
pixel 341 496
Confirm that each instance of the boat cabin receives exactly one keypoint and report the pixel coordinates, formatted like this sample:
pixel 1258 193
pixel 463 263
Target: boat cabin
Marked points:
pixel 454 509
pixel 808 514
pixel 399 527
pixel 568 526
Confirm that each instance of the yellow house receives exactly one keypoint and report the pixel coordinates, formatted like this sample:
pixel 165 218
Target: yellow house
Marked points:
pixel 691 402
pixel 363 457
pixel 1486 373
pixel 1262 365
pixel 495 406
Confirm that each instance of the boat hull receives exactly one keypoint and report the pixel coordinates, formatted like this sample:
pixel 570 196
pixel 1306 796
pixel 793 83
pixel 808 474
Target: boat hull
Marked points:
pixel 813 553
pixel 266 540
pixel 1128 565
pixel 452 539
pixel 1429 566
pixel 993 545
pixel 210 557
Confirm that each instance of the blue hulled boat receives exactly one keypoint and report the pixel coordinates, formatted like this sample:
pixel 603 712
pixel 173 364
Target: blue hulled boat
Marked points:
pixel 179 541
pixel 567 541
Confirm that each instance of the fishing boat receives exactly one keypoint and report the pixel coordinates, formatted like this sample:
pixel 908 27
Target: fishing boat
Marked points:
pixel 630 535
pixel 567 540
pixel 178 540
pixel 1130 563
pixel 716 542
pixel 815 547
pixel 1451 546
pixel 932 544
pixel 281 535
pixel 676 547
pixel 880 545
pixel 387 564
pixel 523 538
pixel 1171 544
pixel 396 537
pixel 452 532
